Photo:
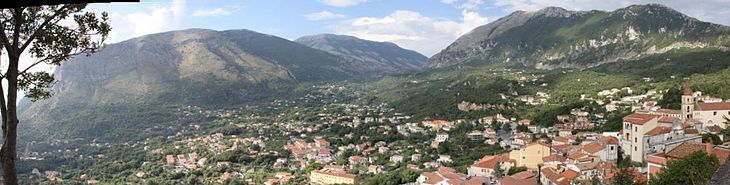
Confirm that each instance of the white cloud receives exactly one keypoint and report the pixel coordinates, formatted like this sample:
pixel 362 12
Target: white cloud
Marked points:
pixel 715 11
pixel 449 1
pixel 464 4
pixel 342 3
pixel 411 30
pixel 160 17
pixel 471 4
pixel 211 12
pixel 323 15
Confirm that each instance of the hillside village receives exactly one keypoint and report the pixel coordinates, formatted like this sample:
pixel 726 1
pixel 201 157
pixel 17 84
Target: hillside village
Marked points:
pixel 356 143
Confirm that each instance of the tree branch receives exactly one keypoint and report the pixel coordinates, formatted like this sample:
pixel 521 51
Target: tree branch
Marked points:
pixel 41 27
pixel 31 66
pixel 5 41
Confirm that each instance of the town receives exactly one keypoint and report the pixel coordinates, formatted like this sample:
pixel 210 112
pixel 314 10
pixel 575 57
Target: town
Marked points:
pixel 357 144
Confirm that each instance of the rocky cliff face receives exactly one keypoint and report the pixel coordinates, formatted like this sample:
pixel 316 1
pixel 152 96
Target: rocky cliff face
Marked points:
pixel 365 54
pixel 557 38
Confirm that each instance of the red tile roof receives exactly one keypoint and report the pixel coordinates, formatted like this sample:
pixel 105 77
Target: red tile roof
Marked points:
pixel 554 157
pixel 609 140
pixel 669 111
pixel 713 106
pixel 489 162
pixel 667 119
pixel 523 175
pixel 508 180
pixel 658 130
pixel 685 149
pixel 593 147
pixel 691 131
pixel 570 174
pixel 639 118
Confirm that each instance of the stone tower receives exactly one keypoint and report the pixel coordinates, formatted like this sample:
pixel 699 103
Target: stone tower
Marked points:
pixel 688 102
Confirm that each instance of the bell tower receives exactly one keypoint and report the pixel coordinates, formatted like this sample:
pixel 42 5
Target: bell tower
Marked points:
pixel 688 102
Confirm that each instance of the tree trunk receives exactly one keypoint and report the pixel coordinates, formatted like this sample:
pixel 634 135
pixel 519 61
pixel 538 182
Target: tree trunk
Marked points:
pixel 10 131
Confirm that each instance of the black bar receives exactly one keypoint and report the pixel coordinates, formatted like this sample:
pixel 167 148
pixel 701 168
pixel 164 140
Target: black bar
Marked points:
pixel 27 3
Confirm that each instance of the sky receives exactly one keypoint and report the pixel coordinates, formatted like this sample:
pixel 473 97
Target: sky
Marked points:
pixel 426 26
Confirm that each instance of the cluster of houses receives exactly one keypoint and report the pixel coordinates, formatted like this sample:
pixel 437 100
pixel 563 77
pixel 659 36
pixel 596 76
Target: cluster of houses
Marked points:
pixel 650 136
pixel 302 152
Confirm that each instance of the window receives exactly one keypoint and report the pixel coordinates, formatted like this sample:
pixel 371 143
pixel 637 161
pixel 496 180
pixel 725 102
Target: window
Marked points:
pixel 636 149
pixel 636 129
pixel 611 147
pixel 714 113
pixel 636 140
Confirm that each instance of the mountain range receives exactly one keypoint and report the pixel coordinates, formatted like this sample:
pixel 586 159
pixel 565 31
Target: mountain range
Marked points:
pixel 132 82
pixel 554 37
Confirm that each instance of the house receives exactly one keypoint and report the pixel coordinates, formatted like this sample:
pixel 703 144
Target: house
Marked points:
pixel 356 159
pixel 383 150
pixel 565 132
pixel 586 167
pixel 441 137
pixel 634 127
pixel 553 160
pixel 396 159
pixel 557 176
pixel 656 162
pixel 416 157
pixel 170 159
pixel 530 155
pixel 448 176
pixel 328 176
pixel 645 133
pixel 475 135
pixel 437 125
pixel 444 159
pixel 375 169
pixel 521 178
pixel 485 166
pixel 611 148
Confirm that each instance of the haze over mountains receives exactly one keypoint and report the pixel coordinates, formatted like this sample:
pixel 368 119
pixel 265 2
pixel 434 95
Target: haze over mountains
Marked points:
pixel 368 55
pixel 234 67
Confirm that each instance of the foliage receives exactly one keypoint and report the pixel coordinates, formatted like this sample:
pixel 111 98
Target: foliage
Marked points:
pixel 516 169
pixel 715 138
pixel 671 99
pixel 695 168
pixel 395 177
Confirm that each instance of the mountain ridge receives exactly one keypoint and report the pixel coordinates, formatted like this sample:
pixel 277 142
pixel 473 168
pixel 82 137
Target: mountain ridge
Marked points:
pixel 554 37
pixel 369 55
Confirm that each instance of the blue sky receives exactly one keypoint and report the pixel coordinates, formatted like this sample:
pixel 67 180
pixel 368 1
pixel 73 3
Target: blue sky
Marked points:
pixel 426 26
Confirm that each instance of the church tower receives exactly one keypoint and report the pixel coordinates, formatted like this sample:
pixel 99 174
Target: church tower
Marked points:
pixel 688 102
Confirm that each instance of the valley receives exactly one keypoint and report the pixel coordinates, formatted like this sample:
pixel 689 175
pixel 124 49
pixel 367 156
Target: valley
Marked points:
pixel 545 96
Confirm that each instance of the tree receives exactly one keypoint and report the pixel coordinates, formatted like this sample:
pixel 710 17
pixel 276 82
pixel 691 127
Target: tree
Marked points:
pixel 695 168
pixel 37 31
pixel 625 176
pixel 726 131
pixel 498 172
pixel 522 128
pixel 672 99
pixel 715 139
pixel 517 169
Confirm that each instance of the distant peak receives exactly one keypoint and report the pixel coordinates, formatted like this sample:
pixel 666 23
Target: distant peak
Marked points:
pixel 652 6
pixel 555 12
